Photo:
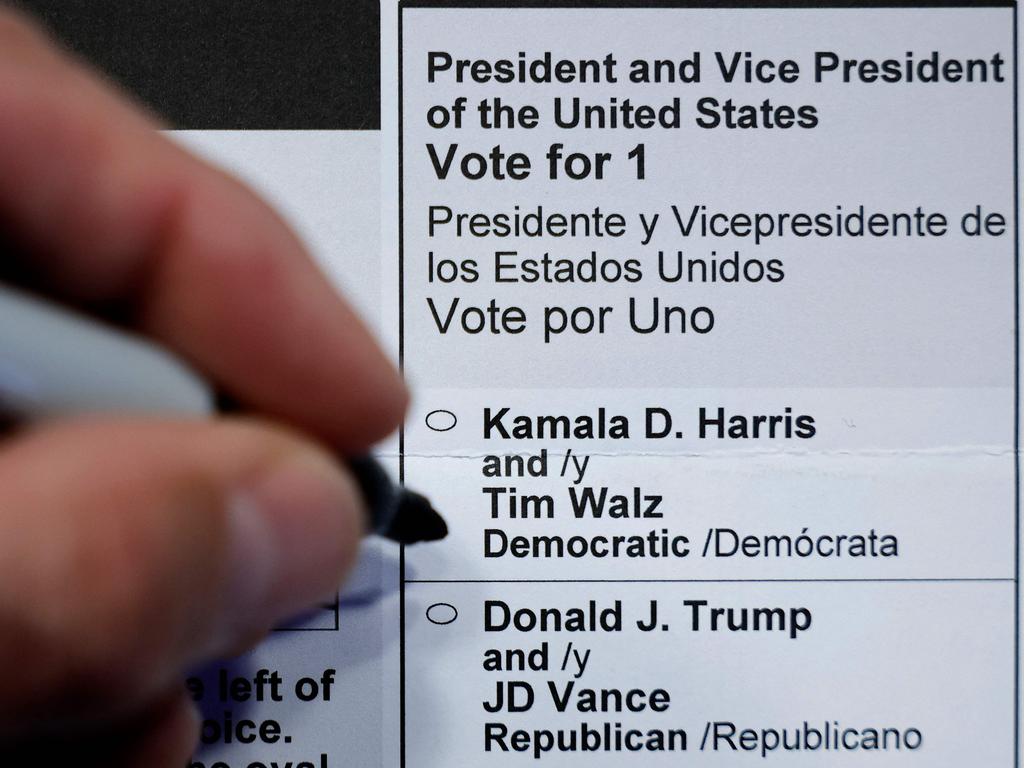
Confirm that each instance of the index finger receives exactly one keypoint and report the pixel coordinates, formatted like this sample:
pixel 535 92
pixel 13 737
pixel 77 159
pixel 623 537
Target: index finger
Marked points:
pixel 114 214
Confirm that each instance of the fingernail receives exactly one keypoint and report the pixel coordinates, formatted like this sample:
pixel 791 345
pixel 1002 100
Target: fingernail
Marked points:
pixel 294 532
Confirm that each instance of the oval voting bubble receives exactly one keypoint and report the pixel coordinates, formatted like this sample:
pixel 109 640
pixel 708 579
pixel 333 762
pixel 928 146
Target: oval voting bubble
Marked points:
pixel 441 420
pixel 442 613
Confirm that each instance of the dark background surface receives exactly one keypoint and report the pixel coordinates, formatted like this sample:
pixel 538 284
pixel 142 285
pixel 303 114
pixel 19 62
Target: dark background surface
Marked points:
pixel 256 64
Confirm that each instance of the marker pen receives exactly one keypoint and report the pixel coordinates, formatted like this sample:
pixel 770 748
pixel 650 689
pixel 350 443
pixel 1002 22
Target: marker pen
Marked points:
pixel 55 362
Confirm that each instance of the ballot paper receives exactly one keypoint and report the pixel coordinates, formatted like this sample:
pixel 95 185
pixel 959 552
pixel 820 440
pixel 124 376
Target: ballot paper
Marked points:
pixel 711 316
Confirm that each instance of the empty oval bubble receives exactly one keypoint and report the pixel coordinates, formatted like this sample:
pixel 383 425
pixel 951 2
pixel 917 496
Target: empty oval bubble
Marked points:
pixel 442 613
pixel 441 420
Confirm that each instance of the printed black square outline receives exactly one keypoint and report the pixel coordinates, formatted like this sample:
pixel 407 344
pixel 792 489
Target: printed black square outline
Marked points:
pixel 753 4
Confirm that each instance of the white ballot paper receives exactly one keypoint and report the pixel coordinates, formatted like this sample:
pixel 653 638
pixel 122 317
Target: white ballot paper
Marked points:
pixel 711 318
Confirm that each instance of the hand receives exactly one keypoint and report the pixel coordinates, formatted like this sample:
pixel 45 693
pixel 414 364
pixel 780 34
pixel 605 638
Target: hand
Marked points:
pixel 131 549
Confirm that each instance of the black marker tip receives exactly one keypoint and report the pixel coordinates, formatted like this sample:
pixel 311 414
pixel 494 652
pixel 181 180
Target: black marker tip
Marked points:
pixel 395 512
pixel 416 521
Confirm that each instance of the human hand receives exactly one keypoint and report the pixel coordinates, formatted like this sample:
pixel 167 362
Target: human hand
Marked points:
pixel 133 548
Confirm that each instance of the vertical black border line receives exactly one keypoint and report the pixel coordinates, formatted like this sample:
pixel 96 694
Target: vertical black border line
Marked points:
pixel 401 368
pixel 1016 404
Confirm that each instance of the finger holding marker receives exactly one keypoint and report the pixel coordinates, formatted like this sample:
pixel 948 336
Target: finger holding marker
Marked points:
pixel 131 549
pixel 113 214
pixel 163 737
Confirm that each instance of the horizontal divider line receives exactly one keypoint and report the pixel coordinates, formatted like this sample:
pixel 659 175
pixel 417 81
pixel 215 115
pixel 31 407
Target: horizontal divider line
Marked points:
pixel 752 4
pixel 990 580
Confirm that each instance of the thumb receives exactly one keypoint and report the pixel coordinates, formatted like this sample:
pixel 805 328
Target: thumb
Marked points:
pixel 130 550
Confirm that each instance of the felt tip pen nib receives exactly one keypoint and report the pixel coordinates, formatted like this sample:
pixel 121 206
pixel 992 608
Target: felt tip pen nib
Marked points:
pixel 395 512
pixel 416 521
